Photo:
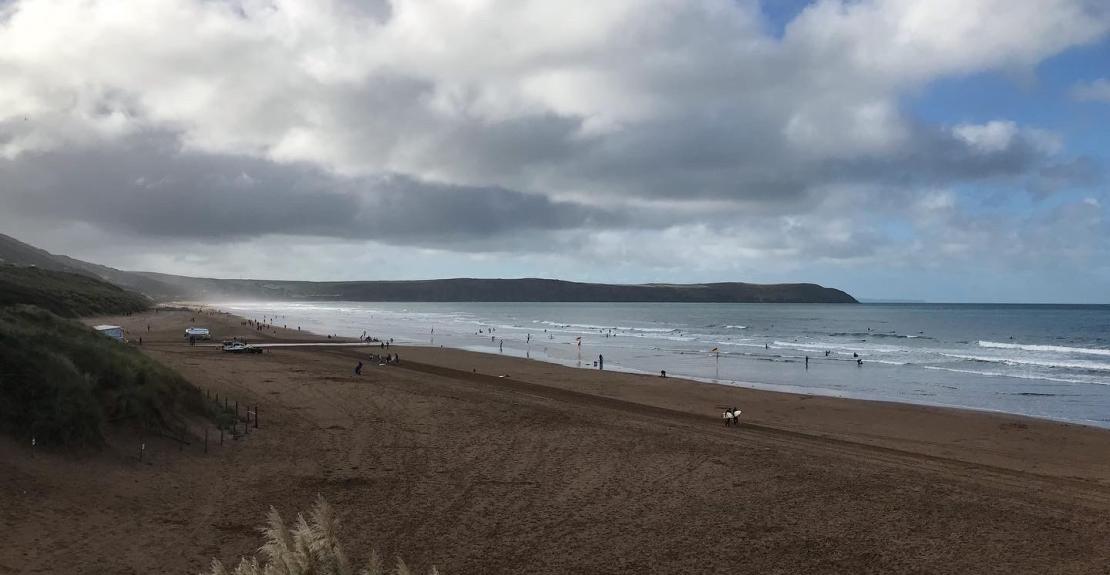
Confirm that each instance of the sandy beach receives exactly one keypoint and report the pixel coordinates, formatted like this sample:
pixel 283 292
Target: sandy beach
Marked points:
pixel 486 464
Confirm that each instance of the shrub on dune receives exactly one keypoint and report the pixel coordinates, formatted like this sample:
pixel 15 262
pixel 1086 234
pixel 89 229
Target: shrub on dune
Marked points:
pixel 61 382
pixel 310 547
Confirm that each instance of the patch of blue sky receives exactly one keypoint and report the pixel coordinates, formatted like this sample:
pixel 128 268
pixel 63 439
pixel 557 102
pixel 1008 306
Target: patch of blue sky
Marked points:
pixel 896 230
pixel 778 13
pixel 1042 99
pixel 992 197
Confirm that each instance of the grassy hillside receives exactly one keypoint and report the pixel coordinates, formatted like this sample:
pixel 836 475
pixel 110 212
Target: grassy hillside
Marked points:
pixel 15 252
pixel 64 293
pixel 61 382
pixel 166 287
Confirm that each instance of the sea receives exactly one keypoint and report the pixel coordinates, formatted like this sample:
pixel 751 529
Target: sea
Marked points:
pixel 1046 361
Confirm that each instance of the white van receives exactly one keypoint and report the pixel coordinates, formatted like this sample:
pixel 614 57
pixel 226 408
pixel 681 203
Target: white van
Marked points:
pixel 197 333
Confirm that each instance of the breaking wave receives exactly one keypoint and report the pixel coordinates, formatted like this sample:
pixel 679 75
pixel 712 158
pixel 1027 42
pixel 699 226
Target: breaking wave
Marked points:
pixel 1034 362
pixel 1049 348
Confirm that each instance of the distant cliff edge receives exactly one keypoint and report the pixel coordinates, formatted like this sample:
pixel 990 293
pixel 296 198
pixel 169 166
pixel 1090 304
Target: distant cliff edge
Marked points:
pixel 171 287
pixel 503 290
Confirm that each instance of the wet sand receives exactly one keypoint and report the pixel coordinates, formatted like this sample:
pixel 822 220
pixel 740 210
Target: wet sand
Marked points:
pixel 487 464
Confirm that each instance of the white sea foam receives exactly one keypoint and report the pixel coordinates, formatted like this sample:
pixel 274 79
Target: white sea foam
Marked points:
pixel 594 327
pixel 1035 362
pixel 821 346
pixel 736 327
pixel 1017 374
pixel 1049 348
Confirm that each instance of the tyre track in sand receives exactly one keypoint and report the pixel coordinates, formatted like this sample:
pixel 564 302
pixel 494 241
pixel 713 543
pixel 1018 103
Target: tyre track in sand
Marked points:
pixel 1022 483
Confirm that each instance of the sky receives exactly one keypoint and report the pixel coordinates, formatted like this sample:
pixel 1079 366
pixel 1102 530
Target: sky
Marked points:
pixel 940 150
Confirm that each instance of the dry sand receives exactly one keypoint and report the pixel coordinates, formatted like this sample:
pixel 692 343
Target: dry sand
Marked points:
pixel 560 470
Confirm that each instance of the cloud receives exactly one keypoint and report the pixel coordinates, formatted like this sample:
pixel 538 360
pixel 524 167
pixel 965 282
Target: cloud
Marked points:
pixel 154 189
pixel 1072 173
pixel 495 93
pixel 500 127
pixel 1093 91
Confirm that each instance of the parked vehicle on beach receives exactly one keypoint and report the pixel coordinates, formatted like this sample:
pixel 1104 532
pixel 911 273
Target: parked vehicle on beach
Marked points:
pixel 197 333
pixel 113 331
pixel 240 347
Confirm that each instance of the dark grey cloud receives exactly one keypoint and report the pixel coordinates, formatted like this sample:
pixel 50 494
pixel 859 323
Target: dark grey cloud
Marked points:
pixel 1079 172
pixel 750 165
pixel 147 186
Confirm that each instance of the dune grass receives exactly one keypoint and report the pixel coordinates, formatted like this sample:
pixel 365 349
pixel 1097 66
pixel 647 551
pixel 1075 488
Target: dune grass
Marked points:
pixel 310 547
pixel 65 294
pixel 61 382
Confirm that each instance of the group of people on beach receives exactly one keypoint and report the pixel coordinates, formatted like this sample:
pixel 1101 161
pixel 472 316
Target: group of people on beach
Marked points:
pixel 387 359
pixel 370 338
pixel 258 325
pixel 731 416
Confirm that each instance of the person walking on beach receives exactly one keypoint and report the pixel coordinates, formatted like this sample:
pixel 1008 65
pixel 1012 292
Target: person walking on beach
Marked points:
pixel 727 417
pixel 501 346
pixel 358 368
pixel 600 361
pixel 735 416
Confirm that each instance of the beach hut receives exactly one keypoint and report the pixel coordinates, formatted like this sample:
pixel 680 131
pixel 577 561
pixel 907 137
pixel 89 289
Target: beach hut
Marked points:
pixel 112 331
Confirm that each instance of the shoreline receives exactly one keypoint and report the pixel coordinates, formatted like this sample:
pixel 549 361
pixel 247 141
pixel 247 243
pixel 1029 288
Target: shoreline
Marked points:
pixel 490 464
pixel 743 384
pixel 715 394
pixel 793 390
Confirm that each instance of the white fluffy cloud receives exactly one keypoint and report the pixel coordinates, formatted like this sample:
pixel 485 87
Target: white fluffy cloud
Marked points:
pixel 632 121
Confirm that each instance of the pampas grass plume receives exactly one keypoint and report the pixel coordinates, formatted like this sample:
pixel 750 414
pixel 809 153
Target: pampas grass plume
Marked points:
pixel 311 547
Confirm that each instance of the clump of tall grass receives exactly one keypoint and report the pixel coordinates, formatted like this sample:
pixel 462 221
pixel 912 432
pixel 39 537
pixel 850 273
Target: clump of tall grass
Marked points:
pixel 310 547
pixel 65 294
pixel 61 382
